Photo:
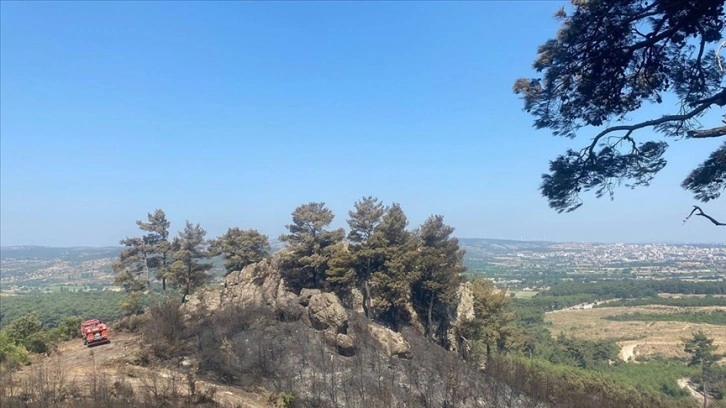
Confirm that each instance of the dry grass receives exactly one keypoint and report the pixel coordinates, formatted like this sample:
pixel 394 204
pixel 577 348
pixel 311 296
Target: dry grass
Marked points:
pixel 638 339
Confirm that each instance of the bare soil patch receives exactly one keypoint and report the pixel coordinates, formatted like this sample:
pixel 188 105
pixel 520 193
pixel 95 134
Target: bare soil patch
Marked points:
pixel 79 367
pixel 637 339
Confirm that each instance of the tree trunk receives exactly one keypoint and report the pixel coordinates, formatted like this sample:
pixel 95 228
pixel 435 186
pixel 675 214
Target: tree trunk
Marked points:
pixel 430 316
pixel 705 392
pixel 367 299
pixel 148 272
pixel 163 265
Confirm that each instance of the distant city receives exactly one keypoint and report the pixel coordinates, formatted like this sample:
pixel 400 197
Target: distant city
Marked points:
pixel 32 267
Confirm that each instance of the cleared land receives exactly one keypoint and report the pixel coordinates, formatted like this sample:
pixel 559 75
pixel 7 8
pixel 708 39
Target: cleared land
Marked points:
pixel 636 338
pixel 78 369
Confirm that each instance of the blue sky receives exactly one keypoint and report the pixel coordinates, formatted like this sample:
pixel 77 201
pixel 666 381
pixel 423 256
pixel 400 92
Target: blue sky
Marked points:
pixel 234 113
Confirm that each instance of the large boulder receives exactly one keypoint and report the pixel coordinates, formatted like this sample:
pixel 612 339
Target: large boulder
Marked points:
pixel 327 313
pixel 392 342
pixel 343 344
pixel 306 294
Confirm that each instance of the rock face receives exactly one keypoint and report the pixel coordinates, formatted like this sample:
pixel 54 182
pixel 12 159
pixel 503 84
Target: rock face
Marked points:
pixel 393 343
pixel 343 343
pixel 261 285
pixel 464 314
pixel 257 285
pixel 327 313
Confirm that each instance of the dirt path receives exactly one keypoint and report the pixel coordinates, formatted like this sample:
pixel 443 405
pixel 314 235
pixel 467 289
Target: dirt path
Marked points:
pixel 630 349
pixel 684 383
pixel 627 351
pixel 75 365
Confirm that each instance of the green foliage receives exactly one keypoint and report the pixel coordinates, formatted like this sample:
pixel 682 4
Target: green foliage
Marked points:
pixel 717 317
pixel 365 256
pixel 144 255
pixel 438 274
pixel 490 328
pixel 703 355
pixel 652 376
pixel 52 308
pixel 668 301
pixel 634 289
pixel 12 355
pixel 310 246
pixel 189 250
pixel 391 281
pixel 28 332
pixel 608 60
pixel 132 304
pixel 282 399
pixel 567 386
pixel 68 328
pixel 702 350
pixel 240 248
pixel 156 243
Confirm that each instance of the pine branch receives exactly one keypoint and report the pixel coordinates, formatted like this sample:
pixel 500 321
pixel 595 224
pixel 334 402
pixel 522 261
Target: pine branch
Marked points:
pixel 702 134
pixel 703 214
pixel 702 105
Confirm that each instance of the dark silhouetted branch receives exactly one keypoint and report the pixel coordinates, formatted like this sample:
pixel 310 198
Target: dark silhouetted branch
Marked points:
pixel 702 134
pixel 719 99
pixel 698 211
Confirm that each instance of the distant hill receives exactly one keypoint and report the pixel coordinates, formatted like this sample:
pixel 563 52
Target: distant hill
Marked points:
pixel 65 253
pixel 42 266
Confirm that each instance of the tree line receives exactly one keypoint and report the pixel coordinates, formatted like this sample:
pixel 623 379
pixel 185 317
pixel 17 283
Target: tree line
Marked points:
pixel 404 276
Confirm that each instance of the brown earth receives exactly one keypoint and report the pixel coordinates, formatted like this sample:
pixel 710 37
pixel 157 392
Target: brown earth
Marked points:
pixel 636 338
pixel 79 367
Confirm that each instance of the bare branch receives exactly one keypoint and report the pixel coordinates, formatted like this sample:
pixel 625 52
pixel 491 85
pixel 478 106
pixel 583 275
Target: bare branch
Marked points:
pixel 702 134
pixel 703 214
pixel 718 55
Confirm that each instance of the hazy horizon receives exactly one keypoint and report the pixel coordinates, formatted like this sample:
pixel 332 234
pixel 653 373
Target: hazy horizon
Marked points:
pixel 232 114
pixel 276 240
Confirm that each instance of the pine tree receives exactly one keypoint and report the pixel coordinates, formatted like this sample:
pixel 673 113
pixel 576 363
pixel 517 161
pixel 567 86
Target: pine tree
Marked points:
pixel 702 351
pixel 439 270
pixel 144 254
pixel 391 281
pixel 189 251
pixel 240 248
pixel 311 246
pixel 364 256
pixel 157 244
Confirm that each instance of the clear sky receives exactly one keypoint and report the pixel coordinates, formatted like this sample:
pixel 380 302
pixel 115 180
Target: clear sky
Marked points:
pixel 234 113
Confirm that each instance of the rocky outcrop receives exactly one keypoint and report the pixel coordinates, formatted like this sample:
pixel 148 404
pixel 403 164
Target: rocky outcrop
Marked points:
pixel 326 313
pixel 261 285
pixel 392 342
pixel 257 285
pixel 464 314
pixel 344 344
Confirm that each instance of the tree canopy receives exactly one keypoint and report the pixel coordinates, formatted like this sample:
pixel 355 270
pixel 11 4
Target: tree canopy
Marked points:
pixel 240 248
pixel 189 252
pixel 145 254
pixel 311 246
pixel 609 59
